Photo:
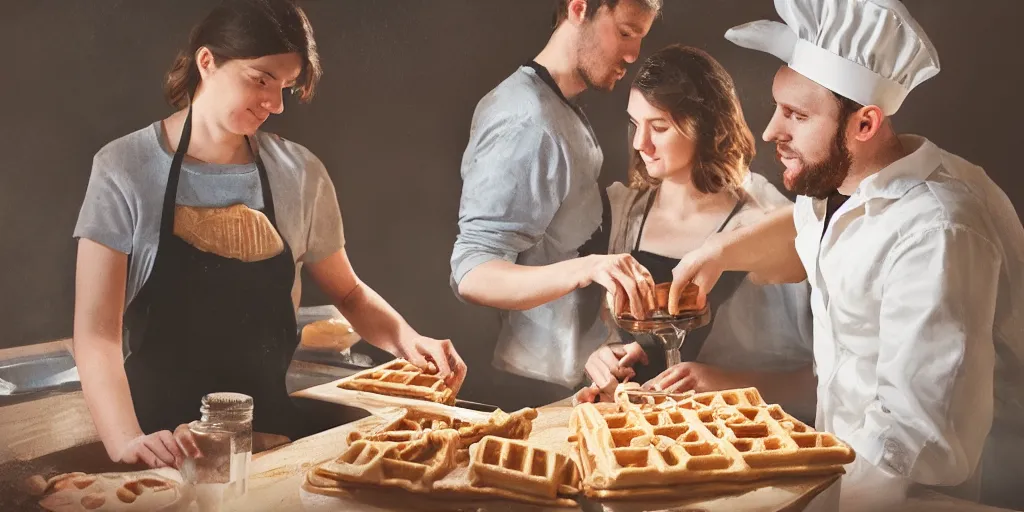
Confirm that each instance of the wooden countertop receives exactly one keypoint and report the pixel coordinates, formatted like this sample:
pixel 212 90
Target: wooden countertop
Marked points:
pixel 276 475
pixel 57 346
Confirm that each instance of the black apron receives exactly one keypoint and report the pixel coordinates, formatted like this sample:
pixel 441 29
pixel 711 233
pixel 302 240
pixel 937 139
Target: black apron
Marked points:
pixel 205 323
pixel 661 268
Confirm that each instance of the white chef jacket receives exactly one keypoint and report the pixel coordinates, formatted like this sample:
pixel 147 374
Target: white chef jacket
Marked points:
pixel 916 293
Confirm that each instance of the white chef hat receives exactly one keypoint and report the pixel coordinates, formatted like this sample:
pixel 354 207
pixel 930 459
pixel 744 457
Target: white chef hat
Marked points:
pixel 870 51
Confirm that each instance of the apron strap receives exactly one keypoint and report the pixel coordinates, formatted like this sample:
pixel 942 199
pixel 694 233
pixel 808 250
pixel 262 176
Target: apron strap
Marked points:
pixel 601 239
pixel 268 197
pixel 171 192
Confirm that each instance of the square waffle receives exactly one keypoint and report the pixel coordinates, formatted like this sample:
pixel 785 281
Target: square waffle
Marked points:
pixel 413 465
pixel 519 467
pixel 662 440
pixel 399 377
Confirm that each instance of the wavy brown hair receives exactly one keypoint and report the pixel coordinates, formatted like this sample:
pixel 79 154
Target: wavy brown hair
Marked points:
pixel 247 29
pixel 701 98
pixel 562 8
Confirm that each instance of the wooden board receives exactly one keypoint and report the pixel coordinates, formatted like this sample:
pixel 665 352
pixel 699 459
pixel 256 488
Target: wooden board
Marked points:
pixel 376 403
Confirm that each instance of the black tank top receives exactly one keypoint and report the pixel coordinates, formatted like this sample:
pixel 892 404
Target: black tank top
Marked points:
pixel 660 267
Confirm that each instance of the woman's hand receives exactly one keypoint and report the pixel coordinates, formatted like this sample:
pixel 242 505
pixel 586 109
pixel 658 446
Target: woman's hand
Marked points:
pixel 156 450
pixel 612 364
pixel 697 377
pixel 421 350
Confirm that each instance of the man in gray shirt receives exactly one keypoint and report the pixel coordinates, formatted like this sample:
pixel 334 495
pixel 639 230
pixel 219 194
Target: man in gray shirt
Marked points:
pixel 530 200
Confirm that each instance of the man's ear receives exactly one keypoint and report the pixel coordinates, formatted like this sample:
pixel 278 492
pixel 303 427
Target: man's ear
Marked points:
pixel 577 11
pixel 866 122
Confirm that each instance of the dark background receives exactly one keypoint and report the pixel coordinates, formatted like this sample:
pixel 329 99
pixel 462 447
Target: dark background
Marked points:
pixel 391 120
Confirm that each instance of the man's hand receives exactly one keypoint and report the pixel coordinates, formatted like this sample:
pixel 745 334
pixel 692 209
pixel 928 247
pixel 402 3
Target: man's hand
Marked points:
pixel 702 267
pixel 629 283
pixel 696 376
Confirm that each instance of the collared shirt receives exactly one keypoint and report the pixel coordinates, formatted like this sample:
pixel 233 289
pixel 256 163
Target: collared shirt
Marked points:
pixel 530 196
pixel 917 304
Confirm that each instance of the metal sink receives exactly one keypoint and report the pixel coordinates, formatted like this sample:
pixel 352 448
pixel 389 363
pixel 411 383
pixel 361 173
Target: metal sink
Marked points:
pixel 34 374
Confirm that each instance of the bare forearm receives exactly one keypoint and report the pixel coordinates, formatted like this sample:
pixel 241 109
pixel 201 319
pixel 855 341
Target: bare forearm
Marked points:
pixel 373 318
pixel 504 285
pixel 105 386
pixel 766 249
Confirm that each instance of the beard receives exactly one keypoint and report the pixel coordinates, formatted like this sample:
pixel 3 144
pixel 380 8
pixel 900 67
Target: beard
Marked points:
pixel 589 69
pixel 821 179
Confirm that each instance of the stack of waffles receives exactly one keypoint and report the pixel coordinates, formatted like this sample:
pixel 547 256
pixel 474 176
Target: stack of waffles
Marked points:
pixel 401 378
pixel 651 444
pixel 422 452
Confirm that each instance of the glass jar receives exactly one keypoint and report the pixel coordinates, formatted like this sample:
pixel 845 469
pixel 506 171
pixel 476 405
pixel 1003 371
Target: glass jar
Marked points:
pixel 223 434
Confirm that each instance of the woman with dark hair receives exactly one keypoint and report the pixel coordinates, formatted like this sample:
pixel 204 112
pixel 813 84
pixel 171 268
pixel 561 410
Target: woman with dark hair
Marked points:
pixel 191 238
pixel 689 179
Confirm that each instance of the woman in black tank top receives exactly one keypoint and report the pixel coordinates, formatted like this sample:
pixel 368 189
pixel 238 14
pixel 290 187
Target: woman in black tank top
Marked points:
pixel 691 147
pixel 660 267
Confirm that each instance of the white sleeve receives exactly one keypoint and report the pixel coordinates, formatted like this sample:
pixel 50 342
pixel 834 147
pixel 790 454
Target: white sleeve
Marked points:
pixel 934 402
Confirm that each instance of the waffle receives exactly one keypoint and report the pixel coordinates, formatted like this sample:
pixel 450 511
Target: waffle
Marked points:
pixel 413 465
pixel 630 394
pixel 412 424
pixel 143 491
pixel 401 378
pixel 518 467
pixel 662 440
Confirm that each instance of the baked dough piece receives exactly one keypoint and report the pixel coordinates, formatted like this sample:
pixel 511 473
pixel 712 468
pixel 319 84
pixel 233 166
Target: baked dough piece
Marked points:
pixel 237 232
pixel 334 334
pixel 687 300
pixel 144 491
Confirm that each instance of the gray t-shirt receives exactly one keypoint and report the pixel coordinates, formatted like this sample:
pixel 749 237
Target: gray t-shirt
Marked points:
pixel 530 196
pixel 123 201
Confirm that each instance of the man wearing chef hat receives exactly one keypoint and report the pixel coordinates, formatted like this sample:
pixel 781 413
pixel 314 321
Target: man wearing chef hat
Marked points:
pixel 915 257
